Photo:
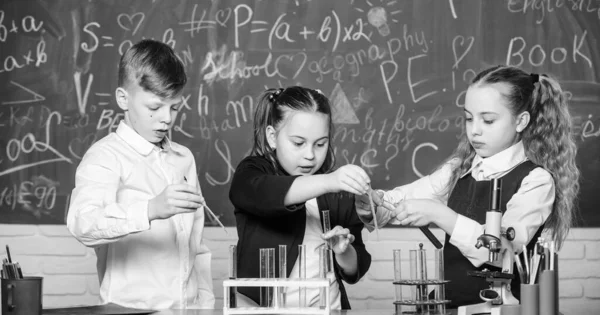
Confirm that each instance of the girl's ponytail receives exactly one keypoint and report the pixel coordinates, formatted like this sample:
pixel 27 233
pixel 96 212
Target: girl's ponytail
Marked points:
pixel 549 143
pixel 263 117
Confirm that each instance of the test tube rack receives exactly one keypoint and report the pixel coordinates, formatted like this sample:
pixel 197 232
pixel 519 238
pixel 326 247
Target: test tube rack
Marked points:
pixel 421 286
pixel 276 283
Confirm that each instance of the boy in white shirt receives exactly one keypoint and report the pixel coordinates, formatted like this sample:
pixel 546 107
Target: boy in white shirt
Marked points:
pixel 137 200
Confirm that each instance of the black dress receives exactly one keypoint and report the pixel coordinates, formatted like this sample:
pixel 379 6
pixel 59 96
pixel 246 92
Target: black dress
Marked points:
pixel 257 192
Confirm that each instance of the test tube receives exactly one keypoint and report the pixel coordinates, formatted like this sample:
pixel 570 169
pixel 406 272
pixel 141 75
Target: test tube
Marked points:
pixel 267 270
pixel 232 274
pixel 418 271
pixel 414 293
pixel 440 294
pixel 422 265
pixel 326 225
pixel 325 268
pixel 302 274
pixel 398 277
pixel 282 274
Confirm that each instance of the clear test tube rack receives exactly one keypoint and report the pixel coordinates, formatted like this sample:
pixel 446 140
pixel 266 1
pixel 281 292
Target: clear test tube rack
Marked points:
pixel 423 305
pixel 275 283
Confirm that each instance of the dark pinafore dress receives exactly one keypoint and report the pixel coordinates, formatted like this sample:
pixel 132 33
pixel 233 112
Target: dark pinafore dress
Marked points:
pixel 471 198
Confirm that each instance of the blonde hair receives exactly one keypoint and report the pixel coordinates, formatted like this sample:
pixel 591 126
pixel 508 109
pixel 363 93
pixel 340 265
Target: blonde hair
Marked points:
pixel 548 139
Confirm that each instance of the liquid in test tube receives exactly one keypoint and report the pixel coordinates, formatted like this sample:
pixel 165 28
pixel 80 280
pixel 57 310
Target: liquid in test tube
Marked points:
pixel 302 274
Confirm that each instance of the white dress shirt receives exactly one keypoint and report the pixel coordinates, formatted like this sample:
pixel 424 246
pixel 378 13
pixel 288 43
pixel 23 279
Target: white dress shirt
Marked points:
pixel 157 265
pixel 526 211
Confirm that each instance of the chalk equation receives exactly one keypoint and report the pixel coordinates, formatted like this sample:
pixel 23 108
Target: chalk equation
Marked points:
pixel 396 74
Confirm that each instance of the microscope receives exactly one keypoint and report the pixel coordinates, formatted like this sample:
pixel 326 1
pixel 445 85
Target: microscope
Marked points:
pixel 498 298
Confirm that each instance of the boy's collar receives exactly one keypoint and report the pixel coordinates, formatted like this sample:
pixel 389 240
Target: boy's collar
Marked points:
pixel 138 143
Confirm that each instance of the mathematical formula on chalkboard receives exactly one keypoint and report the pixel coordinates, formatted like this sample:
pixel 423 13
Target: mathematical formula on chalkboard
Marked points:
pixel 396 73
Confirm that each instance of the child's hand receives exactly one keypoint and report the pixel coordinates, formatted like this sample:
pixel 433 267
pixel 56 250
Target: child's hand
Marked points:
pixel 363 204
pixel 417 212
pixel 340 239
pixel 350 178
pixel 175 199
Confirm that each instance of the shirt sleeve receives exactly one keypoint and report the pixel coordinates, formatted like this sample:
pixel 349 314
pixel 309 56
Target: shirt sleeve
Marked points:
pixel 526 211
pixel 95 217
pixel 256 189
pixel 201 254
pixel 433 186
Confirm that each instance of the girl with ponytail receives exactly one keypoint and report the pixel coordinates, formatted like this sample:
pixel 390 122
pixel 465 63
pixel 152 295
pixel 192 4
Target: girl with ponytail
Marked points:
pixel 518 128
pixel 280 190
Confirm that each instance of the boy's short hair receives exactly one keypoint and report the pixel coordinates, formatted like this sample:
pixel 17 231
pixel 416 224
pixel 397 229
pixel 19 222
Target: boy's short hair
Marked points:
pixel 154 66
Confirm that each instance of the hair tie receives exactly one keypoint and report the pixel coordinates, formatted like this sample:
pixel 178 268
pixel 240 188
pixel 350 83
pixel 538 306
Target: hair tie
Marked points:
pixel 535 78
pixel 275 94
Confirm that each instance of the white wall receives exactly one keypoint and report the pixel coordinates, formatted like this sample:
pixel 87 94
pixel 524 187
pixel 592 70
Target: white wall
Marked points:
pixel 70 277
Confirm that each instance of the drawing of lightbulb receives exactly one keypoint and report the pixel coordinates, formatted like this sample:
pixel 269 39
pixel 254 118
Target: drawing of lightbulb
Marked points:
pixel 377 17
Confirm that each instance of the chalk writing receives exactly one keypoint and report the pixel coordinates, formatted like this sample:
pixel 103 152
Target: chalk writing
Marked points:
pixel 414 156
pixel 395 72
pixel 589 129
pixel 233 67
pixel 412 86
pixel 537 54
pixel 109 119
pixel 36 96
pixel 196 25
pixel 28 25
pixel 82 99
pixel 16 119
pixel 131 22
pixel 546 7
pixel 11 62
pixel 28 144
pixel 225 155
pixel 457 44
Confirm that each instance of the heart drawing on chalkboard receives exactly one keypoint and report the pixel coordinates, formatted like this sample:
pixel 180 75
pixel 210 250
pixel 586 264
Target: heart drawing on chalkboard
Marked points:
pixel 127 21
pixel 456 39
pixel 222 16
pixel 78 146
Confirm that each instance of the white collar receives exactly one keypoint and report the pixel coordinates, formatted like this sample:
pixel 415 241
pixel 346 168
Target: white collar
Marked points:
pixel 138 143
pixel 500 162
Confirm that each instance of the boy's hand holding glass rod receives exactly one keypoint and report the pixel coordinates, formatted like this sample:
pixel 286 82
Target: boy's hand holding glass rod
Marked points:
pixel 176 199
